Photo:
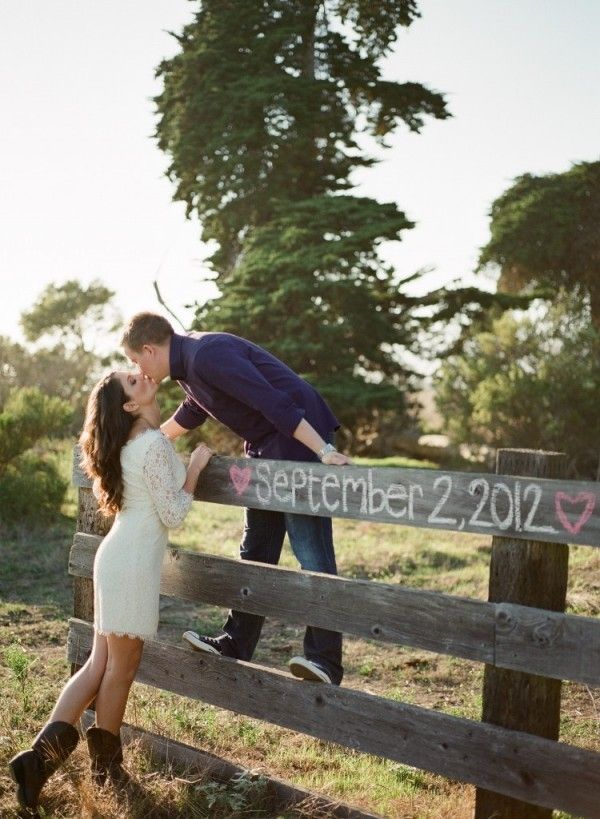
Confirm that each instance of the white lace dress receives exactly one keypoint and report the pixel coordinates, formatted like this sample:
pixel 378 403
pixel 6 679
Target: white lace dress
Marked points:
pixel 128 563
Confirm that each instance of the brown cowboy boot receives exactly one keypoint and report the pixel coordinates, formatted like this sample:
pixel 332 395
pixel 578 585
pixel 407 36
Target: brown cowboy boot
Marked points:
pixel 106 756
pixel 31 769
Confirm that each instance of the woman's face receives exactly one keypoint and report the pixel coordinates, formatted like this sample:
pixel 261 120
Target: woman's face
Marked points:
pixel 138 388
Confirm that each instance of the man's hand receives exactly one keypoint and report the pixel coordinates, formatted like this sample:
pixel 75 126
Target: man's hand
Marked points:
pixel 335 459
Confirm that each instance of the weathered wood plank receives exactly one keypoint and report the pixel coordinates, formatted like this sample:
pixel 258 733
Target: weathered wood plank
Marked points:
pixel 195 761
pixel 427 620
pixel 490 504
pixel 521 638
pixel 520 765
pixel 548 643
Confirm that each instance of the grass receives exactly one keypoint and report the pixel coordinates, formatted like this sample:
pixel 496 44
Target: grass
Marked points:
pixel 36 600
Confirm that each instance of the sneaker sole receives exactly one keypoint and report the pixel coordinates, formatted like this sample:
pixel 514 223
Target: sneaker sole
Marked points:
pixel 306 672
pixel 198 644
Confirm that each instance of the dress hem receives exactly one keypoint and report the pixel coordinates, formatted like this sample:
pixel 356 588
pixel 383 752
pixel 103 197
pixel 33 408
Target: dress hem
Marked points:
pixel 131 635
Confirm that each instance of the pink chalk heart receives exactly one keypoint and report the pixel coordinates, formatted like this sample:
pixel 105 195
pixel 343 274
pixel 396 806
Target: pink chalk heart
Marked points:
pixel 561 498
pixel 240 478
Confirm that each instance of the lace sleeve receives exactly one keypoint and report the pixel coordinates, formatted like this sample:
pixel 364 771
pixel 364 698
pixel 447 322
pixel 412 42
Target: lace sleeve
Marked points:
pixel 160 474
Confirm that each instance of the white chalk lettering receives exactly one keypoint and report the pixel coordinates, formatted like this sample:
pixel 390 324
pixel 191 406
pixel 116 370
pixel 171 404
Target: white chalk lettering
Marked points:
pixel 501 524
pixel 509 506
pixel 528 525
pixel 329 480
pixel 266 480
pixel 312 479
pixel 355 485
pixel 397 492
pixel 298 482
pixel 434 517
pixel 415 488
pixel 474 489
pixel 281 481
pixel 374 492
pixel 518 523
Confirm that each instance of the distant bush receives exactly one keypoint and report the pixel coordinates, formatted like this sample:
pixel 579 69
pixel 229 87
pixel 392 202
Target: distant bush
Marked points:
pixel 31 488
pixel 530 381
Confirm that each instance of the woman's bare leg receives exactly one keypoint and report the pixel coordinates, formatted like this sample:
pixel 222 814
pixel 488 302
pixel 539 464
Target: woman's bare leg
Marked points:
pixel 83 686
pixel 124 655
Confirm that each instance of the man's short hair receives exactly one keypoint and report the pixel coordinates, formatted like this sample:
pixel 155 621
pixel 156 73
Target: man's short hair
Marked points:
pixel 146 328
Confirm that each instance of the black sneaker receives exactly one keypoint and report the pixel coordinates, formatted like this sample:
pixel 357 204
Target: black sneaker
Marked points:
pixel 308 670
pixel 212 645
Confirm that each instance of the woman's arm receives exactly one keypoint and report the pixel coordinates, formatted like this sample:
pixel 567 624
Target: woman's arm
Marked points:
pixel 172 500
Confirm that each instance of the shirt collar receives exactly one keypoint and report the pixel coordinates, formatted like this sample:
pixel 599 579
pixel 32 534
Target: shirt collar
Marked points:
pixel 176 365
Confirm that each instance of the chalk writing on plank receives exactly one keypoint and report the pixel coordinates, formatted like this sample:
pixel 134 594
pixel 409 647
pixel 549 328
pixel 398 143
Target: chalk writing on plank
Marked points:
pixel 487 503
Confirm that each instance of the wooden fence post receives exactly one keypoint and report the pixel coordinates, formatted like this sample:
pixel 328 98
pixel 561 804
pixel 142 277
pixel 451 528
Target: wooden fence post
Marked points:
pixel 531 573
pixel 91 522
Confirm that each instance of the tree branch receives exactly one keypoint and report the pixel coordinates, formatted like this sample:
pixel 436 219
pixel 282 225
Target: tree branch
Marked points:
pixel 161 301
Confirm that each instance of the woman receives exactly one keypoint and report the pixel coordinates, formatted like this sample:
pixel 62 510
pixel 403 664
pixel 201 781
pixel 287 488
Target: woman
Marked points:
pixel 138 477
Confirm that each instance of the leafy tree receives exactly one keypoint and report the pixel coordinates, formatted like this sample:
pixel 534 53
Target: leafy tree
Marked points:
pixel 455 315
pixel 532 380
pixel 72 318
pixel 545 231
pixel 56 370
pixel 261 113
pixel 69 312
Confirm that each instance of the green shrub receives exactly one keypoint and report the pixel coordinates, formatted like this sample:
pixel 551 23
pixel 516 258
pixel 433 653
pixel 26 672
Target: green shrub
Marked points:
pixel 27 416
pixel 31 490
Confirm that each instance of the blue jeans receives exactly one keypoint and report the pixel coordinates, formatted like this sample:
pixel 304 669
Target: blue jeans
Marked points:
pixel 312 543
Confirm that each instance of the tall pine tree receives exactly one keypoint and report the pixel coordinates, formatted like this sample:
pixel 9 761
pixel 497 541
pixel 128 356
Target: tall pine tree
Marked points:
pixel 260 114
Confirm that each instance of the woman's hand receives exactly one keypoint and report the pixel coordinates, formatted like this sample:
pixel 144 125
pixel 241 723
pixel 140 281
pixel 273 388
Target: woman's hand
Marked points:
pixel 200 457
pixel 198 460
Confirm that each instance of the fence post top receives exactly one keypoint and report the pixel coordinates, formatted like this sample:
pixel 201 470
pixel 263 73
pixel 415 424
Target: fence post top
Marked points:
pixel 532 463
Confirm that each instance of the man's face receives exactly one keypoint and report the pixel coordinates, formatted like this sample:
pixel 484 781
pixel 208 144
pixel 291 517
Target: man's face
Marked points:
pixel 152 360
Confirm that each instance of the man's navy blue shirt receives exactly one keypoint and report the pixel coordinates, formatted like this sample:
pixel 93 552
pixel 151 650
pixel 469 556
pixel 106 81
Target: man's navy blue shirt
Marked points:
pixel 250 391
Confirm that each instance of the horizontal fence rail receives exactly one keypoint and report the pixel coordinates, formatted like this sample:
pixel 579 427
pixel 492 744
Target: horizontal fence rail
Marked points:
pixel 521 638
pixel 528 508
pixel 519 765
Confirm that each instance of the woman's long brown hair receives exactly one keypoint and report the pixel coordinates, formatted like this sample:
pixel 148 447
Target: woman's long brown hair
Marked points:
pixel 105 431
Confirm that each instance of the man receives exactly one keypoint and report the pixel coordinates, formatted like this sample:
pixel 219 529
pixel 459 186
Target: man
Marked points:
pixel 278 415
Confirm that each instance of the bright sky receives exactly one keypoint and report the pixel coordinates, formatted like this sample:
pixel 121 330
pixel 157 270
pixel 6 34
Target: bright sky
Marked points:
pixel 83 189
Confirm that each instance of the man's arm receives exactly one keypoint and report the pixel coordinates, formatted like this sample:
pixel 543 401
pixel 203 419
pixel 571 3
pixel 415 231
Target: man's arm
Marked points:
pixel 188 412
pixel 172 429
pixel 308 435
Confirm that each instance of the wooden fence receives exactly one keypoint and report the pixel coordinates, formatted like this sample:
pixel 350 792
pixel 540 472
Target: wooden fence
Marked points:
pixel 522 634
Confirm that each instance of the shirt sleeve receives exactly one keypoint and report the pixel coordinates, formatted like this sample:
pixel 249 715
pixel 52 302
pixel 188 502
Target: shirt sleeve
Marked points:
pixel 189 415
pixel 160 474
pixel 235 374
